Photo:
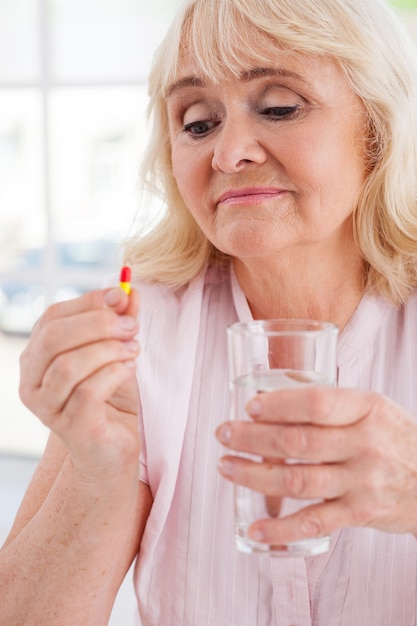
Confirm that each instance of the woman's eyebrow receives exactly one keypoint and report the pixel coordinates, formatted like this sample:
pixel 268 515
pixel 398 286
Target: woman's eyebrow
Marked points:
pixel 245 76
pixel 279 72
pixel 183 83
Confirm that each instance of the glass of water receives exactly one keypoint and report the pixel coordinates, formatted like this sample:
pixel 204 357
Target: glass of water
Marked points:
pixel 265 355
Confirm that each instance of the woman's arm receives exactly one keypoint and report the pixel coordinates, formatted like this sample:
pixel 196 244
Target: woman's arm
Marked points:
pixel 71 545
pixel 82 518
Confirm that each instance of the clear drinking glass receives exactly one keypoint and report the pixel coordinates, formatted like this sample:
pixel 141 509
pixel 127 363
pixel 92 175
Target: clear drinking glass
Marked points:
pixel 265 355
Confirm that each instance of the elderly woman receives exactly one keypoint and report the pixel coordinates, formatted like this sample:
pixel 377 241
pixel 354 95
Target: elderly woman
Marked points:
pixel 285 147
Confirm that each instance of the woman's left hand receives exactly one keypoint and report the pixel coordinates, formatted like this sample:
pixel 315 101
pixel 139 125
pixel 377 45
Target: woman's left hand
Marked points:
pixel 363 449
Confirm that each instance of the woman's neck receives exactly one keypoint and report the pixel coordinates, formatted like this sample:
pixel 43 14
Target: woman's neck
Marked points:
pixel 311 289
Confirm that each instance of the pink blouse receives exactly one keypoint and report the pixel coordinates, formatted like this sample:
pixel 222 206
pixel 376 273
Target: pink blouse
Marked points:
pixel 188 571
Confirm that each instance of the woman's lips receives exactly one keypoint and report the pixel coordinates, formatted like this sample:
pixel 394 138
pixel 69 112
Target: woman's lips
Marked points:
pixel 249 195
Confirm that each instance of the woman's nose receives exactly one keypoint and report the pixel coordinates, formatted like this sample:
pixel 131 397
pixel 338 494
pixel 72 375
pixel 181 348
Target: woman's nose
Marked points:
pixel 236 146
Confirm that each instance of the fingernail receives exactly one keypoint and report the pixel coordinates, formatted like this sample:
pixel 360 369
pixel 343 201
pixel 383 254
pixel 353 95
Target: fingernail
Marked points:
pixel 310 527
pixel 256 535
pixel 254 407
pixel 132 346
pixel 224 433
pixel 128 323
pixel 226 467
pixel 112 297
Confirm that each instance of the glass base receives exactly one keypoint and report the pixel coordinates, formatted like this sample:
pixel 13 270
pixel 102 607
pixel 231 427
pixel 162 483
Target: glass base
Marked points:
pixel 304 548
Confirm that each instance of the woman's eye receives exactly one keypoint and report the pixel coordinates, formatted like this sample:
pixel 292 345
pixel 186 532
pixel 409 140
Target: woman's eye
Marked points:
pixel 279 113
pixel 200 127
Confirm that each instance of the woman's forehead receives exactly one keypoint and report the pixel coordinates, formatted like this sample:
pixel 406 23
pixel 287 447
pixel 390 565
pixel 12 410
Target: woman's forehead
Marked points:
pixel 240 63
pixel 219 59
pixel 279 61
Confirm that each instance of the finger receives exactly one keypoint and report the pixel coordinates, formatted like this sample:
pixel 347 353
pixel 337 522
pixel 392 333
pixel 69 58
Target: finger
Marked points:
pixel 316 520
pixel 70 333
pixel 296 480
pixel 318 405
pixel 81 423
pixel 297 441
pixel 114 299
pixel 68 324
pixel 69 369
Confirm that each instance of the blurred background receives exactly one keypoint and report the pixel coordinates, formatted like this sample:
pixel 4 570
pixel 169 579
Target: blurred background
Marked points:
pixel 72 131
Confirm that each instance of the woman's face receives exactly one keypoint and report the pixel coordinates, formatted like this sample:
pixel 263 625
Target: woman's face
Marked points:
pixel 271 161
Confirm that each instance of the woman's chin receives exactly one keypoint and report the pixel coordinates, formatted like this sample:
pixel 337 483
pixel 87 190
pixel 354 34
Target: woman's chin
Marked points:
pixel 249 244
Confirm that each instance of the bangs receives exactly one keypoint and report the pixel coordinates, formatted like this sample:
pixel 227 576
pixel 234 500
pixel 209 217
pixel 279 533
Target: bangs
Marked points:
pixel 228 45
pixel 229 37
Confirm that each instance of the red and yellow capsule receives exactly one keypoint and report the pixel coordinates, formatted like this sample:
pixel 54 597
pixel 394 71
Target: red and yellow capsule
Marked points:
pixel 125 276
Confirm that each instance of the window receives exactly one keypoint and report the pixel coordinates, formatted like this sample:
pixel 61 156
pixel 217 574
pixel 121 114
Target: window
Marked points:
pixel 72 128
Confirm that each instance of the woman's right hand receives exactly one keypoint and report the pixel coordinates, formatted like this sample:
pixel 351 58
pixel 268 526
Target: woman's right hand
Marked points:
pixel 78 376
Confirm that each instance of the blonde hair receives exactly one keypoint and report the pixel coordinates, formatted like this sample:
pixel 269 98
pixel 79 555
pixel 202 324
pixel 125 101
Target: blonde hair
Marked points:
pixel 366 39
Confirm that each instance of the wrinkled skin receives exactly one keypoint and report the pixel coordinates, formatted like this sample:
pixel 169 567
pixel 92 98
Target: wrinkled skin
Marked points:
pixel 78 377
pixel 364 443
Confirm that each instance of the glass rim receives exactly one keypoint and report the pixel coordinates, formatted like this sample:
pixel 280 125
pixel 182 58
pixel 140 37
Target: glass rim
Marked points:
pixel 290 326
